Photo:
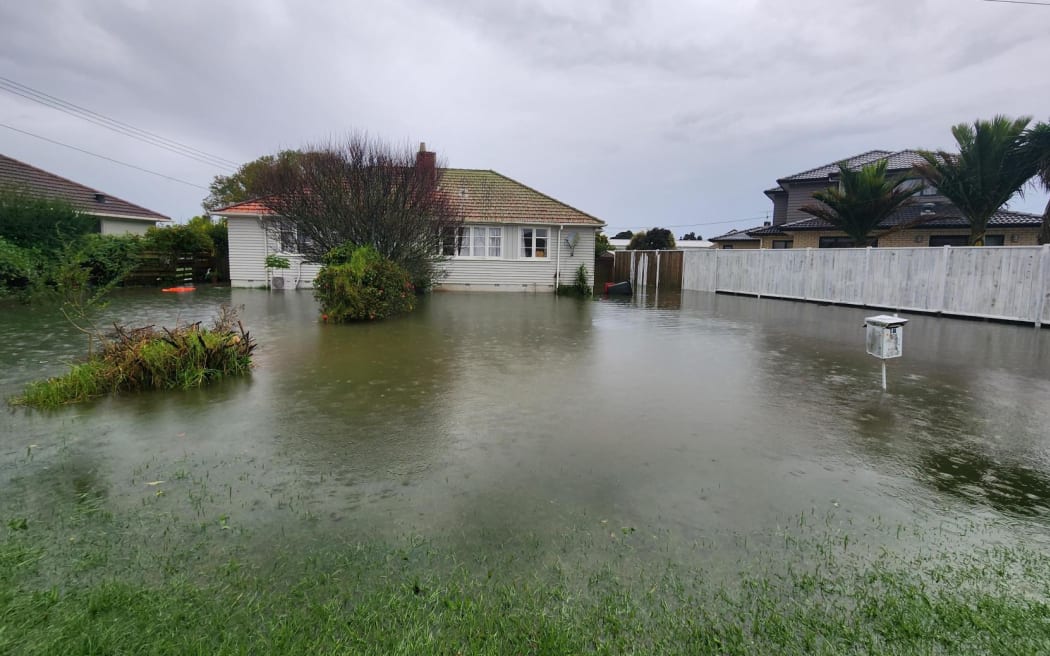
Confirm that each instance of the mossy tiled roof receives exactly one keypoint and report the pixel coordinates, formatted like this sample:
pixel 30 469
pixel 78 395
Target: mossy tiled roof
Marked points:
pixel 483 197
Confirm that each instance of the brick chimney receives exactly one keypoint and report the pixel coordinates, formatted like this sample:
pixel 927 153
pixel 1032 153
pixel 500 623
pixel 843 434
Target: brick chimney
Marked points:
pixel 426 159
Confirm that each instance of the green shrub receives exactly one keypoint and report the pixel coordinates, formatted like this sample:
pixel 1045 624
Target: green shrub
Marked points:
pixel 108 258
pixel 46 224
pixel 179 240
pixel 579 287
pixel 16 267
pixel 358 284
pixel 146 358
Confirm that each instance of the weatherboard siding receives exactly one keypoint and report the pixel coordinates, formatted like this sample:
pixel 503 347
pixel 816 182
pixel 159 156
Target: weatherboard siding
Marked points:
pixel 248 249
pixel 113 226
pixel 247 241
pixel 514 274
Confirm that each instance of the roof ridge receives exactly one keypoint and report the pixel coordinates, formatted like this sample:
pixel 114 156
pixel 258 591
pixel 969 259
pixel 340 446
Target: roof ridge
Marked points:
pixel 884 154
pixel 84 186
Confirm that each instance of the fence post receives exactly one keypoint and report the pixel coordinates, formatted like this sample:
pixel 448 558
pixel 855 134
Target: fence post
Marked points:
pixel 658 269
pixel 865 288
pixel 1044 270
pixel 714 278
pixel 761 269
pixel 807 273
pixel 944 278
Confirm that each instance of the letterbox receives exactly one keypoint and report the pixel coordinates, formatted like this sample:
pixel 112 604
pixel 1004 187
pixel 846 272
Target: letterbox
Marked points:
pixel 885 336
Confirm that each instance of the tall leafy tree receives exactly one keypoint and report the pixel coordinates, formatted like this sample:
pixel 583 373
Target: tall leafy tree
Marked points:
pixel 864 199
pixel 986 173
pixel 241 185
pixel 653 239
pixel 1037 149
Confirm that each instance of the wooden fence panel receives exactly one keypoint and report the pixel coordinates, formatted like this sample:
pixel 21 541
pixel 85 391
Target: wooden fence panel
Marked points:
pixel 998 282
pixel 644 268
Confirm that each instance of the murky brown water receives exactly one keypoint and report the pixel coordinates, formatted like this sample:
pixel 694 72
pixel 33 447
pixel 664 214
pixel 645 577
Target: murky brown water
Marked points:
pixel 482 415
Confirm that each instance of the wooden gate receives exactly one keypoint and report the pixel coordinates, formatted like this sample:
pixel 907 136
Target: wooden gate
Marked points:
pixel 661 269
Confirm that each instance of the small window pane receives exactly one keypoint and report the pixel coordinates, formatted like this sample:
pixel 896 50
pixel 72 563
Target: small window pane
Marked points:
pixel 541 242
pixel 448 241
pixel 479 242
pixel 995 240
pixel 495 242
pixel 526 242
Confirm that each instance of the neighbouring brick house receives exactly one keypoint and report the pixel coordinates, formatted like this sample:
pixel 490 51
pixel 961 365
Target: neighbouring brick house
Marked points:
pixel 942 224
pixel 115 216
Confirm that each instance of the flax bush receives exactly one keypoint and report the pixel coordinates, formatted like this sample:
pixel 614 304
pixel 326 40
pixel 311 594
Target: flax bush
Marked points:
pixel 359 284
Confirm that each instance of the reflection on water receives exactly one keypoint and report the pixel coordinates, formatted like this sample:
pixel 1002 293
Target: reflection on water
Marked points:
pixel 482 415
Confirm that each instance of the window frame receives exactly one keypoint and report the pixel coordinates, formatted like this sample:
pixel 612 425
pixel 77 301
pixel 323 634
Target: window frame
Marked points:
pixel 955 241
pixel 788 243
pixel 524 253
pixel 832 241
pixel 468 236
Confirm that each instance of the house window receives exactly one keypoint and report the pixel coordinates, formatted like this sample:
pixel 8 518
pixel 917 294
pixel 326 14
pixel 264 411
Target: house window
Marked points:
pixel 841 242
pixel 727 247
pixel 995 240
pixel 534 242
pixel 949 240
pixel 288 239
pixel 472 241
pixel 783 243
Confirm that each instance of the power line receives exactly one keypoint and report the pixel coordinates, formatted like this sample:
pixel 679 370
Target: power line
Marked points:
pixel 108 159
pixel 114 125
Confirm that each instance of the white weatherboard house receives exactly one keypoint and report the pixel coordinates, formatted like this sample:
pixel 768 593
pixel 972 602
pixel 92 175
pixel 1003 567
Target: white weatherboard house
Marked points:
pixel 115 215
pixel 513 238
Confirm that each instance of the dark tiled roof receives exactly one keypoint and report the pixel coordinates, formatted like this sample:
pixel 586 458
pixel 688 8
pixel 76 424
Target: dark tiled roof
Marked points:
pixel 735 235
pixel 766 230
pixel 944 216
pixel 38 182
pixel 902 160
pixel 484 197
pixel 822 172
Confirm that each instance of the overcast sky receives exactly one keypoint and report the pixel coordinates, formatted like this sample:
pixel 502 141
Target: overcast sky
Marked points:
pixel 641 113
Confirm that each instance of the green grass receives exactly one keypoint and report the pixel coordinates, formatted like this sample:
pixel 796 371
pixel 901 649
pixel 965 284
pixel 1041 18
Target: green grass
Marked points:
pixel 372 598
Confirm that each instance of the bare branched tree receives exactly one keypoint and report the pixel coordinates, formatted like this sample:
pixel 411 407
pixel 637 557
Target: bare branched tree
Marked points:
pixel 364 192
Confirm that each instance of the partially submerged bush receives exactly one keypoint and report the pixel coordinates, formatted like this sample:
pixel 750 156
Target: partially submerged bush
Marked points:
pixel 359 284
pixel 16 270
pixel 136 359
pixel 580 287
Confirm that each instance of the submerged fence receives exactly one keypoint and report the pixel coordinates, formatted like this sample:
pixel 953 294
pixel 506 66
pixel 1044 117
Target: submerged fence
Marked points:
pixel 661 269
pixel 993 282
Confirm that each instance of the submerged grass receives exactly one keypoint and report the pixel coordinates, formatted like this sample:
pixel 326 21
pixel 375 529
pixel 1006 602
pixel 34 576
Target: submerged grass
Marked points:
pixel 100 593
pixel 147 358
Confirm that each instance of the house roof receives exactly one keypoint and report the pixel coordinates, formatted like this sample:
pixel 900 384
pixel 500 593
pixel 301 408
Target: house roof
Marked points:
pixel 767 230
pixel 944 215
pixel 736 235
pixel 484 197
pixel 42 184
pixel 901 160
pixel 822 172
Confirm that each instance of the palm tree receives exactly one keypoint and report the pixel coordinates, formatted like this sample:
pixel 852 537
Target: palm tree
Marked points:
pixel 864 199
pixel 987 172
pixel 1037 145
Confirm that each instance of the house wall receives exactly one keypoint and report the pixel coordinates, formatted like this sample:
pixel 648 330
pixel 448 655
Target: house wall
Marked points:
pixel 800 194
pixel 737 245
pixel 514 274
pixel 780 208
pixel 111 226
pixel 907 238
pixel 247 244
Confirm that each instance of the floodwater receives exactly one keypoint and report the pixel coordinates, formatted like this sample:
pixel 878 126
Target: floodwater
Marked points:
pixel 483 416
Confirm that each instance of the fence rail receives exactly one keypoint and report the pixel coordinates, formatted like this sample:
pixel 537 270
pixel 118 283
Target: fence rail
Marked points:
pixel 993 282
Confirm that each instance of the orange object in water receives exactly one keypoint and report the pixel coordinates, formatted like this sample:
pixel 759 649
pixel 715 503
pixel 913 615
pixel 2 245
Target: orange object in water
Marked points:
pixel 179 290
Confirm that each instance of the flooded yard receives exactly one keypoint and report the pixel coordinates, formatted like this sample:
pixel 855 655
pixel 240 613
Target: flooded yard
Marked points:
pixel 485 415
pixel 530 435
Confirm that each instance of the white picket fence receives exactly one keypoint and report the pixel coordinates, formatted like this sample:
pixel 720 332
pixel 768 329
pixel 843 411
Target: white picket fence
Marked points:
pixel 993 282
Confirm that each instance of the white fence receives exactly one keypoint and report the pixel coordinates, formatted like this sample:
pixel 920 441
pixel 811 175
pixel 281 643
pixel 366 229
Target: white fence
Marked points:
pixel 993 282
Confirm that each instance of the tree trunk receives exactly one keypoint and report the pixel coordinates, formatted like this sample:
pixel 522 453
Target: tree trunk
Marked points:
pixel 977 236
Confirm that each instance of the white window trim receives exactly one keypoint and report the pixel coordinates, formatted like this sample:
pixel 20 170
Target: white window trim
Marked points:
pixel 521 243
pixel 470 240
